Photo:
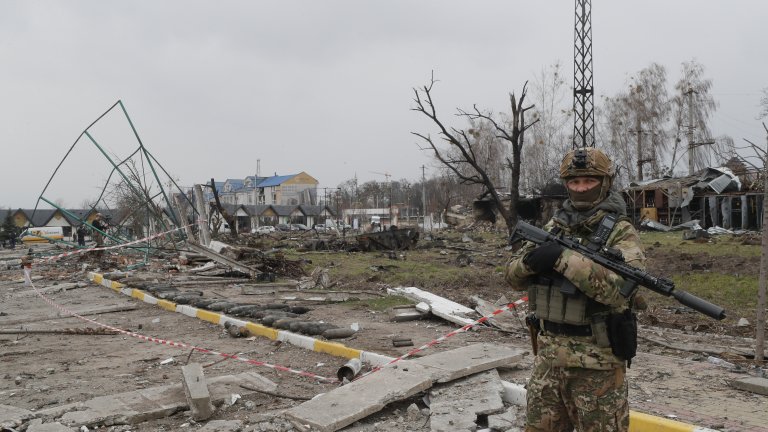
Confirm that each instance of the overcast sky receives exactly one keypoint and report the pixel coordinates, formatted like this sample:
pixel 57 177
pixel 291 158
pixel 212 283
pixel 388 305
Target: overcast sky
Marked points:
pixel 324 87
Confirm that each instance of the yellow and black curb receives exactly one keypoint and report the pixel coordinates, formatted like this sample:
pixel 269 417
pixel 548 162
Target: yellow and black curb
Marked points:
pixel 306 342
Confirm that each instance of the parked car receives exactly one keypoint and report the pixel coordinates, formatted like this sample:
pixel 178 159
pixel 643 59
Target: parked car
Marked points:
pixel 263 229
pixel 320 227
pixel 283 227
pixel 299 227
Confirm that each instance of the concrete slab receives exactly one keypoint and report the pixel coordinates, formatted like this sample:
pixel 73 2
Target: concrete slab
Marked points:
pixel 506 421
pixel 149 404
pixel 222 426
pixel 196 391
pixel 506 320
pixel 347 404
pixel 359 399
pixel 752 384
pixel 455 406
pixel 439 306
pixel 37 425
pixel 12 417
pixel 470 359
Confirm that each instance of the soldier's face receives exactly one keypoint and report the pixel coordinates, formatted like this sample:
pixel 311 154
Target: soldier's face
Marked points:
pixel 581 184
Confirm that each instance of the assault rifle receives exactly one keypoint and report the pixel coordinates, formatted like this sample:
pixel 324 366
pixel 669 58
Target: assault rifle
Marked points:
pixel 613 260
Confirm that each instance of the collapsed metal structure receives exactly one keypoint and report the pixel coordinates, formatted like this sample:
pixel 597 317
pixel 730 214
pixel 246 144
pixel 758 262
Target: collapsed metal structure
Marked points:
pixel 133 196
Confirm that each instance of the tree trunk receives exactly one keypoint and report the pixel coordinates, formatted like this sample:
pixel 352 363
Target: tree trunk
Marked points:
pixel 761 288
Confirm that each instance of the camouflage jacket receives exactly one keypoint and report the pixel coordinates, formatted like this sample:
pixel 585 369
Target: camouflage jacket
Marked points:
pixel 590 278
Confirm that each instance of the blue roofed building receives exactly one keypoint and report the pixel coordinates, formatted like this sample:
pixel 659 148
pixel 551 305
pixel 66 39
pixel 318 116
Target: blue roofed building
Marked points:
pixel 291 190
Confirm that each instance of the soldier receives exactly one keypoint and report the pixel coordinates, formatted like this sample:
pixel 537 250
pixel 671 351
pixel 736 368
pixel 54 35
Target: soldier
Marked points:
pixel 100 226
pixel 586 330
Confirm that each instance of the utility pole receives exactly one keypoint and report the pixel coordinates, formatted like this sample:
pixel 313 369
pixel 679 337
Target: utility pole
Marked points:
pixel 691 144
pixel 640 161
pixel 689 93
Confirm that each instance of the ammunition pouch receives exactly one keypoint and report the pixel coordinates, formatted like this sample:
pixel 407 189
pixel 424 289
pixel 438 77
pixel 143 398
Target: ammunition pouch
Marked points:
pixel 557 300
pixel 622 333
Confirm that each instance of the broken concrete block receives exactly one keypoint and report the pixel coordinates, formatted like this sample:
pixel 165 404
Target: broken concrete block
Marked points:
pixel 11 416
pixel 151 403
pixel 455 406
pixel 346 404
pixel 439 306
pixel 196 390
pixel 406 313
pixel 469 360
pixel 505 421
pixel 37 425
pixel 222 426
pixel 752 384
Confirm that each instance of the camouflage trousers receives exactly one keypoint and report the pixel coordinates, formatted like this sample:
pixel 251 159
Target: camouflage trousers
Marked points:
pixel 563 399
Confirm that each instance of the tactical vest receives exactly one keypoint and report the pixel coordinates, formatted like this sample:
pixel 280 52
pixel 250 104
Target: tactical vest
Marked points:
pixel 560 308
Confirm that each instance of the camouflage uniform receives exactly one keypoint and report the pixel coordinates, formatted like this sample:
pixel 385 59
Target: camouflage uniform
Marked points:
pixel 578 382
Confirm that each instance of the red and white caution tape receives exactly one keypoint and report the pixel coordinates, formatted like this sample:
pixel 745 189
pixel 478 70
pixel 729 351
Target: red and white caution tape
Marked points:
pixel 513 305
pixel 28 280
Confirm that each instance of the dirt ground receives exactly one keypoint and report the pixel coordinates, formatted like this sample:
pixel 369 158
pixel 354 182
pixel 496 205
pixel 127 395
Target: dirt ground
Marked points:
pixel 673 376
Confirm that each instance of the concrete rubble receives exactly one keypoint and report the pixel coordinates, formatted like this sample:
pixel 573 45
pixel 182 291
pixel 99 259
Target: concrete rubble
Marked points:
pixel 347 404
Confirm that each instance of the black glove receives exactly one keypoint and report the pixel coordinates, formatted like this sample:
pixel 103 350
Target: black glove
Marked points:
pixel 543 258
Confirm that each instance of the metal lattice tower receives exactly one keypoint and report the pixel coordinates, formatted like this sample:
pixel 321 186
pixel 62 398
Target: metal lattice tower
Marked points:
pixel 583 93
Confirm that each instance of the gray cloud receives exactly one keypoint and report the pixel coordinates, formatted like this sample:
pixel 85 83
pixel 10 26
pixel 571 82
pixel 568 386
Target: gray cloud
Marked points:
pixel 322 86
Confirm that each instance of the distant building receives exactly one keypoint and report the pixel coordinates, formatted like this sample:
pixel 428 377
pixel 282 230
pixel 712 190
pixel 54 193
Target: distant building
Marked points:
pixel 731 199
pixel 68 219
pixel 290 190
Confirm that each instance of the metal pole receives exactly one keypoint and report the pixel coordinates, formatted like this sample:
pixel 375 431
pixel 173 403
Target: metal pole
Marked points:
pixel 149 161
pixel 690 131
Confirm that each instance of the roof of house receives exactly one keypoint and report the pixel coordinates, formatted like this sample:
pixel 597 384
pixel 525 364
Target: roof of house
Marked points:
pixel 256 209
pixel 237 184
pixel 284 210
pixel 276 180
pixel 41 217
pixel 254 180
pixel 719 179
pixel 315 210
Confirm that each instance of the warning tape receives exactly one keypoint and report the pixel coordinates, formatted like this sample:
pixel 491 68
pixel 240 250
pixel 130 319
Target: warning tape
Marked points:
pixel 28 280
pixel 509 306
pixel 255 362
pixel 119 246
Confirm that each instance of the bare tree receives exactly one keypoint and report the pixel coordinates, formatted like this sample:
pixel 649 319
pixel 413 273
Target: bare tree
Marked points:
pixel 551 135
pixel 462 156
pixel 761 290
pixel 691 107
pixel 613 118
pixel 132 198
pixel 762 156
pixel 764 104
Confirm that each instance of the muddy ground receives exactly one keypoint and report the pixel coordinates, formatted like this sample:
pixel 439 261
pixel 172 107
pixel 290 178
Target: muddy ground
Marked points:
pixel 673 376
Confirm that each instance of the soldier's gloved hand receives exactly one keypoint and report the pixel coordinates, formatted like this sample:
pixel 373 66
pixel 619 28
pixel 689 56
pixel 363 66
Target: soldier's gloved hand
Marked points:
pixel 544 257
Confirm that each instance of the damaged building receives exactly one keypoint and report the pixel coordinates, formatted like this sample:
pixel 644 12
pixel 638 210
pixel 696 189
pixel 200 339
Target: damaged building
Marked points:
pixel 731 199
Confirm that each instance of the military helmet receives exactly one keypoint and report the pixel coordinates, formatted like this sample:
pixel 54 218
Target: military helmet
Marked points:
pixel 587 162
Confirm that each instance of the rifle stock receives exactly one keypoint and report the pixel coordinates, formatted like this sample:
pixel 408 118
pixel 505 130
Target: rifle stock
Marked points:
pixel 615 263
